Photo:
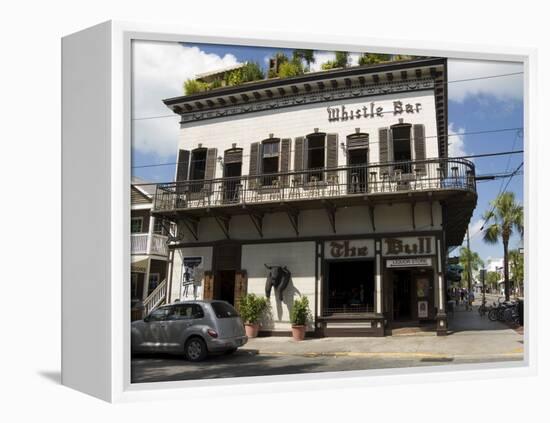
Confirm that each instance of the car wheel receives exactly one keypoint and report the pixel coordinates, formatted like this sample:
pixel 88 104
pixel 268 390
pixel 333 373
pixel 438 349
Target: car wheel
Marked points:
pixel 195 349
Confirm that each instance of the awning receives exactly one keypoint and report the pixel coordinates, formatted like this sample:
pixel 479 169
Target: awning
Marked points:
pixel 140 264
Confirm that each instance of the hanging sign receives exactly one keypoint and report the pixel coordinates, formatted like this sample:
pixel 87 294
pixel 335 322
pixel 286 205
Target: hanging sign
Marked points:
pixel 409 262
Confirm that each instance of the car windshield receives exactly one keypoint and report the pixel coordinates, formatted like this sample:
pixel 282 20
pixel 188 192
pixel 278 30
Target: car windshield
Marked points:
pixel 224 310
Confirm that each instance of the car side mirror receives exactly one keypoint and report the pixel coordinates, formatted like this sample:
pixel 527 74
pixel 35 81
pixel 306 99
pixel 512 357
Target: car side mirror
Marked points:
pixel 146 319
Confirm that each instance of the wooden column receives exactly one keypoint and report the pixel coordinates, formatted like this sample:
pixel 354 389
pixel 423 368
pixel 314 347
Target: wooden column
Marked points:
pixel 208 288
pixel 378 280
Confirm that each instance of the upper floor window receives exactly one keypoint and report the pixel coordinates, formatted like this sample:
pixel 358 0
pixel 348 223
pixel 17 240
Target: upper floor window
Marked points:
pixel 270 157
pixel 402 151
pixel 198 164
pixel 136 225
pixel 315 156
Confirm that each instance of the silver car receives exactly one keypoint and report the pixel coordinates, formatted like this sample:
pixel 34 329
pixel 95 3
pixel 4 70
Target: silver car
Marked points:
pixel 193 328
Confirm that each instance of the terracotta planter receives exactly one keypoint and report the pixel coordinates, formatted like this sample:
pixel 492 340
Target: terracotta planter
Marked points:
pixel 299 332
pixel 252 329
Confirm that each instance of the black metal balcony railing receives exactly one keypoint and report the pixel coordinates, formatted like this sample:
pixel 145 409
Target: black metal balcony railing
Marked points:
pixel 421 175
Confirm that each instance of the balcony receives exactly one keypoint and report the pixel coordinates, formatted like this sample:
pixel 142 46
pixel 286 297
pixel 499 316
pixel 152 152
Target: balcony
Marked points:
pixel 156 246
pixel 446 179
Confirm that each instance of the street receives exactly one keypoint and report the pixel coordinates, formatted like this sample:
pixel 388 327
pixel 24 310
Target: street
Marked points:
pixel 471 339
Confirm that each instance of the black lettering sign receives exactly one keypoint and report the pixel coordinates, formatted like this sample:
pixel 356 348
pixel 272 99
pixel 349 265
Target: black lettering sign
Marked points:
pixel 340 113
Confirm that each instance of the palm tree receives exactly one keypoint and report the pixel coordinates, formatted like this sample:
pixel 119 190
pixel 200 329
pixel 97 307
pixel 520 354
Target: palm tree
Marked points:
pixel 505 216
pixel 471 257
pixel 516 267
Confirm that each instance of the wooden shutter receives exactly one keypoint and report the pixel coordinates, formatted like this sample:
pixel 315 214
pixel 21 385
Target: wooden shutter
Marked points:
pixel 299 156
pixel 332 153
pixel 210 169
pixel 285 159
pixel 253 168
pixel 208 288
pixel 183 165
pixel 419 148
pixel 386 150
pixel 241 286
pixel 182 172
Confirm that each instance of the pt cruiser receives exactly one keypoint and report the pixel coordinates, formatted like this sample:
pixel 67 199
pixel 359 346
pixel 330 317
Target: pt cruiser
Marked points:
pixel 192 328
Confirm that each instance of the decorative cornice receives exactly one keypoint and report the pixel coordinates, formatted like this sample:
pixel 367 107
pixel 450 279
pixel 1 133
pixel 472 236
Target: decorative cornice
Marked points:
pixel 300 99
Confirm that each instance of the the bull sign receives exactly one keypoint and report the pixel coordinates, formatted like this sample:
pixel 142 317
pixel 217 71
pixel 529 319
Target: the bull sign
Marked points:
pixel 278 278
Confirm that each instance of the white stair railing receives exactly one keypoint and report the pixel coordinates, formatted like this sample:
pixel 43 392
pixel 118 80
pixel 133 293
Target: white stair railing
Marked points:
pixel 155 298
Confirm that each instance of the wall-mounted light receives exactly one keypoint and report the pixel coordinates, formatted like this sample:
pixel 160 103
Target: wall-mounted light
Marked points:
pixel 220 160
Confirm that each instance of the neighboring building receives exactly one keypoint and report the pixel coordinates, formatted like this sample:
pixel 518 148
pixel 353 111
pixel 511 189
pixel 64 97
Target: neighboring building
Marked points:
pixel 340 176
pixel 149 250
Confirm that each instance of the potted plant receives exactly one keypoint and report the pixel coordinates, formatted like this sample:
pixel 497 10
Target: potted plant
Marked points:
pixel 251 309
pixel 299 316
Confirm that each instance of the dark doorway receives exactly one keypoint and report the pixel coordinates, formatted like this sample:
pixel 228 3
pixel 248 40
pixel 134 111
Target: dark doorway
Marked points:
pixel 402 295
pixel 350 287
pixel 402 147
pixel 357 175
pixel 231 186
pixel 225 287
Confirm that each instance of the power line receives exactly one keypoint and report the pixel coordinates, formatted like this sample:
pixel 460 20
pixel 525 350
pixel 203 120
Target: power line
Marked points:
pixel 391 111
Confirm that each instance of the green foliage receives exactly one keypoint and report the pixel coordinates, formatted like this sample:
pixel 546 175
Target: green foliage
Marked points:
pixel 300 313
pixel 516 267
pixel 305 56
pixel 373 58
pixel 505 217
pixel 492 279
pixel 291 68
pixel 252 307
pixel 341 61
pixel 475 261
pixel 192 86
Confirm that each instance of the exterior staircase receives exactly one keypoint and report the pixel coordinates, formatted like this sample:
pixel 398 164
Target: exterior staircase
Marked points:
pixel 153 300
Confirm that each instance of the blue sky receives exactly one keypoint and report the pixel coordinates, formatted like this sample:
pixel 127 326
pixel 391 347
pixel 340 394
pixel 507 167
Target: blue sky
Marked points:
pixel 474 105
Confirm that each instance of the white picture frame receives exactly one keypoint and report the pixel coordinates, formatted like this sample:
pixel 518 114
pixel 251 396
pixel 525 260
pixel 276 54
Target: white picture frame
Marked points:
pixel 96 130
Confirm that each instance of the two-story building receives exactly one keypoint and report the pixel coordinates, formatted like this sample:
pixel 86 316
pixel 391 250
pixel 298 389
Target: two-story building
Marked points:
pixel 342 177
pixel 149 250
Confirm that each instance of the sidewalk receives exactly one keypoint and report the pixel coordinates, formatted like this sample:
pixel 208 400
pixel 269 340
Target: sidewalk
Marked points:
pixel 470 336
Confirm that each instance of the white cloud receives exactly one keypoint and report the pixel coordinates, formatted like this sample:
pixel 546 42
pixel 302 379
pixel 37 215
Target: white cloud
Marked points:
pixel 456 141
pixel 159 70
pixel 502 88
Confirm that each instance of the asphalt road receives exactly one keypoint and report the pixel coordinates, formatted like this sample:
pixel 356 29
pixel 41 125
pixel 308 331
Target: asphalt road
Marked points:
pixel 155 368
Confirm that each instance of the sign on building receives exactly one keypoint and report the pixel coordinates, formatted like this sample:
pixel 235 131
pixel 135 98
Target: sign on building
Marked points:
pixel 356 248
pixel 409 246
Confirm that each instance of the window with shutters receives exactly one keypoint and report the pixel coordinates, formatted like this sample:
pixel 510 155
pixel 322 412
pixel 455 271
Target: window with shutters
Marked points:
pixel 315 156
pixel 197 171
pixel 402 152
pixel 270 161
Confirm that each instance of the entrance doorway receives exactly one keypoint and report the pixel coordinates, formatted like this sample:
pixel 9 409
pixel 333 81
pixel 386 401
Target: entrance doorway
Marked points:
pixel 350 287
pixel 231 186
pixel 225 287
pixel 402 295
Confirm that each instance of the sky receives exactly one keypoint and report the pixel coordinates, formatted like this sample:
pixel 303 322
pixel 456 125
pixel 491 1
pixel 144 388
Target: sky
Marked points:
pixel 474 105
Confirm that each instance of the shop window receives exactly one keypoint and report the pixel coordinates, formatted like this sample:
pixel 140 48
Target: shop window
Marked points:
pixel 402 152
pixel 350 287
pixel 136 225
pixel 197 172
pixel 315 156
pixel 270 161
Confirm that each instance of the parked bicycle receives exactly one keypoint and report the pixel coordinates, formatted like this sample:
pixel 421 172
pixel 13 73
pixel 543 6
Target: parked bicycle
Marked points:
pixel 505 311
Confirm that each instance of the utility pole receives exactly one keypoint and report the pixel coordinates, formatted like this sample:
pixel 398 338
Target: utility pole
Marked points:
pixel 469 264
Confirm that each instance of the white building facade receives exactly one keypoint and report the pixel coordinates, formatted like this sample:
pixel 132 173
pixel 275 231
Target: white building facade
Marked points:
pixel 339 177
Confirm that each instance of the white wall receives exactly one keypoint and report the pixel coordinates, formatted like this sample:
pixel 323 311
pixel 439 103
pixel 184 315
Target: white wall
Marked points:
pixel 298 121
pixel 299 257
